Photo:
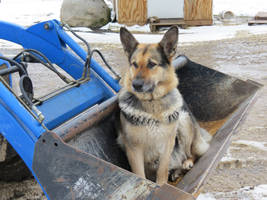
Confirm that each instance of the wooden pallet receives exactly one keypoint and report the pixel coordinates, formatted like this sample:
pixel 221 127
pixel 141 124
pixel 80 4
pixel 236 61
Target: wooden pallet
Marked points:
pixel 166 22
pixel 180 22
pixel 256 22
pixel 260 18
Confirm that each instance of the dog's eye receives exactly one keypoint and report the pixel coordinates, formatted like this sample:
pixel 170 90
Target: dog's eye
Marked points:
pixel 151 64
pixel 135 64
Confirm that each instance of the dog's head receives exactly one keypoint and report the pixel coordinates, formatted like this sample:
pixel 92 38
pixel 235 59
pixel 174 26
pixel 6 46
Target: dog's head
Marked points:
pixel 151 74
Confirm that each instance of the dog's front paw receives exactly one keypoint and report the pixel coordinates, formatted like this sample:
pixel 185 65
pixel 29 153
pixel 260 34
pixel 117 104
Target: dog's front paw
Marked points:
pixel 161 180
pixel 188 164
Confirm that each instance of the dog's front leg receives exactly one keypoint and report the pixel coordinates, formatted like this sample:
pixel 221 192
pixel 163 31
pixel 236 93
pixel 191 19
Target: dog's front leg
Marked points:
pixel 186 132
pixel 135 157
pixel 164 160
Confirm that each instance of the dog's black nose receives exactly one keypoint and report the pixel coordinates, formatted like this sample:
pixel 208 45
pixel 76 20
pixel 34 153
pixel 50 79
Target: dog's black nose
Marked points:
pixel 138 85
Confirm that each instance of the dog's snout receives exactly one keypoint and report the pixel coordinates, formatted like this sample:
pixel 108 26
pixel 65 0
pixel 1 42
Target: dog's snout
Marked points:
pixel 138 85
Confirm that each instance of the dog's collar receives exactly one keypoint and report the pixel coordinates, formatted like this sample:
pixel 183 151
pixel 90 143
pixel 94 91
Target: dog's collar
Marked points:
pixel 139 120
pixel 133 112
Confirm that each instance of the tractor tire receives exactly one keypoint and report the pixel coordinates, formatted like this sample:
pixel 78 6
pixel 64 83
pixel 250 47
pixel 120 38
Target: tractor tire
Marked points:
pixel 12 167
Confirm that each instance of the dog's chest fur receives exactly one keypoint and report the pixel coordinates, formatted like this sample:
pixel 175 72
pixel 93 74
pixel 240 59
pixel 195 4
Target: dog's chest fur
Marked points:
pixel 149 124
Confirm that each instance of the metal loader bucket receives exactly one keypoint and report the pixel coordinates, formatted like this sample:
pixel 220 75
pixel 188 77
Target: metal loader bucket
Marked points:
pixel 90 165
pixel 220 103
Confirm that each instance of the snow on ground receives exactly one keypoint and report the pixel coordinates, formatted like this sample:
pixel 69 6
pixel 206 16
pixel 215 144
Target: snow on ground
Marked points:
pixel 258 145
pixel 29 12
pixel 239 7
pixel 193 34
pixel 187 36
pixel 135 28
pixel 246 193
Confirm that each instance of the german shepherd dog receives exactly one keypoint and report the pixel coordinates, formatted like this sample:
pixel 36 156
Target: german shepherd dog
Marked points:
pixel 158 133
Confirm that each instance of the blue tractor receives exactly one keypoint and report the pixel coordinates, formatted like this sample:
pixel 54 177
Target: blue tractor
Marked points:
pixel 67 138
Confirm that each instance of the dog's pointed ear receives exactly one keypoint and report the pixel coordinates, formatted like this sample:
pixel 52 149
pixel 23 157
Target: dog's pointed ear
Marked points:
pixel 169 41
pixel 128 41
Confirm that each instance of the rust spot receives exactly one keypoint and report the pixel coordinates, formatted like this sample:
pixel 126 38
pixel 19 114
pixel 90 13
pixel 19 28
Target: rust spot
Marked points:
pixel 197 193
pixel 113 168
pixel 168 192
pixel 78 126
pixel 100 170
pixel 60 180
pixel 72 194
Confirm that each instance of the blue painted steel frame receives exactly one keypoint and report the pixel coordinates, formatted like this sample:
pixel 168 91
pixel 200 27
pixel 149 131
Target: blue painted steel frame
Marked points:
pixel 50 39
pixel 18 125
pixel 53 42
pixel 73 101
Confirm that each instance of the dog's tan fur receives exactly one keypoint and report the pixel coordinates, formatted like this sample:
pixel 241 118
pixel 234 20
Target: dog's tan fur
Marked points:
pixel 157 133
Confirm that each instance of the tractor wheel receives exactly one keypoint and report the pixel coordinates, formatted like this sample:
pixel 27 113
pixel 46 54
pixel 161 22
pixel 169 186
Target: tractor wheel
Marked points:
pixel 12 167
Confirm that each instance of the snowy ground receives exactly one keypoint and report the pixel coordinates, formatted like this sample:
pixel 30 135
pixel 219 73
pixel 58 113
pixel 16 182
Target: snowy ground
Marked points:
pixel 247 193
pixel 29 12
pixel 239 7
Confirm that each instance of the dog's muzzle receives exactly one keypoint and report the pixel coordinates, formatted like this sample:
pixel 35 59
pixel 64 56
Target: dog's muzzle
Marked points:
pixel 139 85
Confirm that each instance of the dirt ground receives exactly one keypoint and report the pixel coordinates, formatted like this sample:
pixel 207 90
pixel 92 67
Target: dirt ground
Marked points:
pixel 244 57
